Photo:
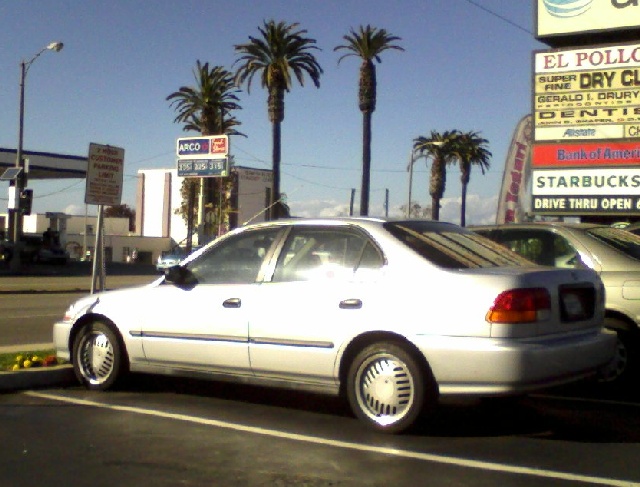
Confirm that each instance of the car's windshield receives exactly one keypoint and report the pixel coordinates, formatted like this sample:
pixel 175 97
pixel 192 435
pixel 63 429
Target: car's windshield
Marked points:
pixel 626 242
pixel 453 247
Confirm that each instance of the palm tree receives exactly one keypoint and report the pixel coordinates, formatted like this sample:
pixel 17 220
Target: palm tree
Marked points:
pixel 440 148
pixel 281 50
pixel 204 108
pixel 470 149
pixel 367 44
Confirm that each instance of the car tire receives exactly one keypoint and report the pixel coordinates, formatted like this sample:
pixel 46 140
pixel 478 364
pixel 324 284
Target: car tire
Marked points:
pixel 99 358
pixel 389 388
pixel 624 365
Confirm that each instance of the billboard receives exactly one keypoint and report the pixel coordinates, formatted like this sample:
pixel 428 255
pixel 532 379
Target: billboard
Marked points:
pixel 205 156
pixel 586 118
pixel 578 18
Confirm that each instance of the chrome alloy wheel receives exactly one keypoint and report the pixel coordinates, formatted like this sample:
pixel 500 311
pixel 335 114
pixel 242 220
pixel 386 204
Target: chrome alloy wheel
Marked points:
pixel 618 364
pixel 95 357
pixel 385 389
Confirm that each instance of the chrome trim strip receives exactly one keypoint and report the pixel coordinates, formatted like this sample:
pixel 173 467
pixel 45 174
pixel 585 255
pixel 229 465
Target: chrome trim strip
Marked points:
pixel 204 338
pixel 234 339
pixel 290 343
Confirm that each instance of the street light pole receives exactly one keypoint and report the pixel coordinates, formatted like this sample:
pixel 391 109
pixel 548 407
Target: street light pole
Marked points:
pixel 21 179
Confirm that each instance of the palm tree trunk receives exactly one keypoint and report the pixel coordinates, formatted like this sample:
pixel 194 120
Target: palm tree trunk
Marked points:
pixel 463 205
pixel 275 158
pixel 366 163
pixel 435 208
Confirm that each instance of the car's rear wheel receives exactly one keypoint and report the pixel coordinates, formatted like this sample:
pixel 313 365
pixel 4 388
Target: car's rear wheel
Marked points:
pixel 389 388
pixel 98 356
pixel 624 365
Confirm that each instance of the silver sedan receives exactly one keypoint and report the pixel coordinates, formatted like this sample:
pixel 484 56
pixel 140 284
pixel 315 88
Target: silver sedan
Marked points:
pixel 613 253
pixel 390 314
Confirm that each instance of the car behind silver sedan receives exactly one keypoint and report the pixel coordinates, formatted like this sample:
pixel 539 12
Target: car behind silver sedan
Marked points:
pixel 613 253
pixel 390 314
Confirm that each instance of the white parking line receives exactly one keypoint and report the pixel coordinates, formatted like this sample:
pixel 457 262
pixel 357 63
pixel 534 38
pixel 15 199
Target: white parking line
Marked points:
pixel 460 462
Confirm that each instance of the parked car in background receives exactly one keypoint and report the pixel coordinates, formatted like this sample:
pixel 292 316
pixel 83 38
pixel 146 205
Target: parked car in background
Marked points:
pixel 170 258
pixel 612 252
pixel 35 249
pixel 633 228
pixel 390 314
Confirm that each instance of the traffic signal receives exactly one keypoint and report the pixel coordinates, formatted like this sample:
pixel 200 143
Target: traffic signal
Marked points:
pixel 26 198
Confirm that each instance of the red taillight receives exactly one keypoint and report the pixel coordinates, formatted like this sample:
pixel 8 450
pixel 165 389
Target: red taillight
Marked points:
pixel 520 306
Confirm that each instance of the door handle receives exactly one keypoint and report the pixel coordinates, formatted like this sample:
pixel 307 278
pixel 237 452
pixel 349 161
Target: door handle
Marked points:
pixel 232 303
pixel 351 304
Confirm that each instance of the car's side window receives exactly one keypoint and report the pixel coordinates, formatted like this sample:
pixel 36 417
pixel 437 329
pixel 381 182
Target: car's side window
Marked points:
pixel 531 244
pixel 236 260
pixel 314 253
pixel 542 247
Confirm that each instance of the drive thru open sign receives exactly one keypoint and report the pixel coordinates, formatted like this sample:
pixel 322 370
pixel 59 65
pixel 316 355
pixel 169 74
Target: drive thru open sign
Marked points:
pixel 105 171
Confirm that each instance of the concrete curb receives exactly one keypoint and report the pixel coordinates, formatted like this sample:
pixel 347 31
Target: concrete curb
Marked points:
pixel 37 377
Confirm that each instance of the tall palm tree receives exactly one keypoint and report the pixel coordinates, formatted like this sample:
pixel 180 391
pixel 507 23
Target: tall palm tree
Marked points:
pixel 281 50
pixel 204 108
pixel 470 150
pixel 438 146
pixel 367 44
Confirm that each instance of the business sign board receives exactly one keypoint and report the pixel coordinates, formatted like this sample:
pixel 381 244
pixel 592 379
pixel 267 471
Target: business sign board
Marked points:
pixel 586 191
pixel 586 106
pixel 562 18
pixel 203 168
pixel 589 93
pixel 105 171
pixel 205 156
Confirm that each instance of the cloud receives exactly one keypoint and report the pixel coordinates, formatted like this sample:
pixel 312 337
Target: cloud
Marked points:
pixel 480 210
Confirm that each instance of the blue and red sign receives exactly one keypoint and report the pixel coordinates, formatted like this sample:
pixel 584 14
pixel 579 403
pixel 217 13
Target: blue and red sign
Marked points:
pixel 210 147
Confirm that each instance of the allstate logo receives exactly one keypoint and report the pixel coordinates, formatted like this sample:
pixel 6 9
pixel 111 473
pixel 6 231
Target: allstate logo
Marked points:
pixel 567 8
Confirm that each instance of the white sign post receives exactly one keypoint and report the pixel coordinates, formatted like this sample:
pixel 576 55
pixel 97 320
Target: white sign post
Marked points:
pixel 105 171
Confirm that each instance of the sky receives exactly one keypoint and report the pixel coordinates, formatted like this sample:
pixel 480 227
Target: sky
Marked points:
pixel 466 65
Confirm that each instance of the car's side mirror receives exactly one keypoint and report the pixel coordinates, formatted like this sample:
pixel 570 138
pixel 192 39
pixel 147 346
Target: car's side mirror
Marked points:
pixel 180 276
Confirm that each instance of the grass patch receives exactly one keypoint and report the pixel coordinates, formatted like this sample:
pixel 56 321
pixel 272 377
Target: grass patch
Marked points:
pixel 28 359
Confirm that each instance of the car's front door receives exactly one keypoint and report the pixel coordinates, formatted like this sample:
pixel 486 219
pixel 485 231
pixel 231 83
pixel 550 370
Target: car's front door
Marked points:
pixel 202 322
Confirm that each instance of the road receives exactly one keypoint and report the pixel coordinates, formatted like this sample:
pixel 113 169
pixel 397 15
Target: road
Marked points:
pixel 30 304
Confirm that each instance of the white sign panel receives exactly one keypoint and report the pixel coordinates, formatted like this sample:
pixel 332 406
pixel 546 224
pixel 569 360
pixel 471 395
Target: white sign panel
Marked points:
pixel 614 181
pixel 558 17
pixel 105 171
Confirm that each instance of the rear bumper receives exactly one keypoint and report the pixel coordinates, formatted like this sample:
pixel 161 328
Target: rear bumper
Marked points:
pixel 493 367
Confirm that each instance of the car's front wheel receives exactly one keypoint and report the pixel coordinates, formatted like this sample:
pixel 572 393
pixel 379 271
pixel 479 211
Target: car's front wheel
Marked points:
pixel 98 356
pixel 389 388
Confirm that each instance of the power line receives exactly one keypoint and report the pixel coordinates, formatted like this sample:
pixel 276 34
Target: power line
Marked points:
pixel 497 15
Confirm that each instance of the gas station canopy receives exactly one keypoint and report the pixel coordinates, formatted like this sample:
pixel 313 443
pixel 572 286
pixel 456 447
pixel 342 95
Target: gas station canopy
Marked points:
pixel 46 165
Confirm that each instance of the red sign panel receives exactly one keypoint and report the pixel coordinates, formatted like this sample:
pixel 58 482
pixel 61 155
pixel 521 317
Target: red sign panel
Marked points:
pixel 586 154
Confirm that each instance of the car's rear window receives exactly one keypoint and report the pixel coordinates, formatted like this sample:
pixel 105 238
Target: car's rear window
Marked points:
pixel 624 241
pixel 453 247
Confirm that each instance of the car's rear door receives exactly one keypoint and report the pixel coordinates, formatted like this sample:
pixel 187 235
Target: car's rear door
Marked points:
pixel 322 290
